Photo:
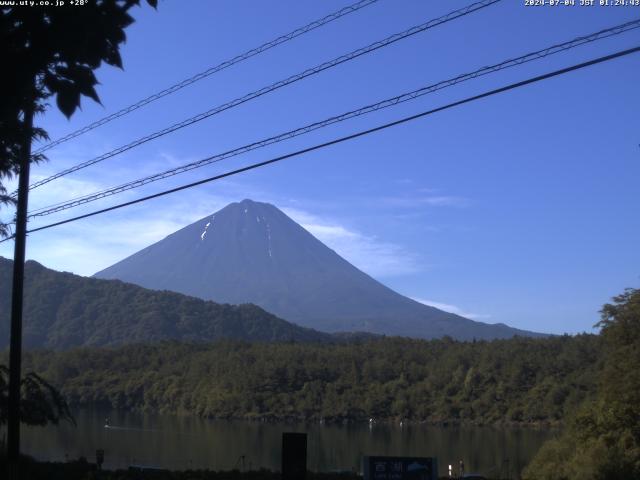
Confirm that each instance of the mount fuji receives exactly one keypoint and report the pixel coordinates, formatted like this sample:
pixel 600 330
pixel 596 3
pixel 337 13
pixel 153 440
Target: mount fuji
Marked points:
pixel 251 252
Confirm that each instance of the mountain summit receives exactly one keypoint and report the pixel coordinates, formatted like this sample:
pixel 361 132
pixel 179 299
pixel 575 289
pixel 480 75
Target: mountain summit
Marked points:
pixel 251 252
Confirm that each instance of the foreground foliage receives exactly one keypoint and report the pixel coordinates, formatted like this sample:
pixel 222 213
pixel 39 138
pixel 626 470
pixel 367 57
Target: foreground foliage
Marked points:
pixel 39 46
pixel 40 402
pixel 519 380
pixel 602 439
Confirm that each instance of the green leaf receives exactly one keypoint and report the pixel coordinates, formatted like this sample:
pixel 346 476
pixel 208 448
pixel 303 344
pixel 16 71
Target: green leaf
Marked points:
pixel 68 99
pixel 112 57
pixel 83 79
pixel 51 82
pixel 91 93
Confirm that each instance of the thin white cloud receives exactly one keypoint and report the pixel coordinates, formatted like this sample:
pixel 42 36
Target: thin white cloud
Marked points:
pixel 414 201
pixel 52 193
pixel 90 245
pixel 85 248
pixel 368 253
pixel 452 309
pixel 60 190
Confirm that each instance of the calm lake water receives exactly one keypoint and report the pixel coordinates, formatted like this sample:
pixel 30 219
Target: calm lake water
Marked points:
pixel 178 442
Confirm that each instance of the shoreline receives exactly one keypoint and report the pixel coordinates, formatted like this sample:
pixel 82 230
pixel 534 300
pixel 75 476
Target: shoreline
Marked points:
pixel 330 421
pixel 81 469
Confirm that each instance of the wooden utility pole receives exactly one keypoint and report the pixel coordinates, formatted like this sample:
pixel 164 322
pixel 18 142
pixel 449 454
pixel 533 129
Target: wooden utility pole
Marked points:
pixel 15 352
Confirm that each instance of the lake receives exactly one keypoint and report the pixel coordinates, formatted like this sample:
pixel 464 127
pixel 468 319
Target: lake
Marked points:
pixel 182 442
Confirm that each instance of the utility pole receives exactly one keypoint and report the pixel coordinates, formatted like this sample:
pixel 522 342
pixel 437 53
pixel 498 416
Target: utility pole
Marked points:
pixel 15 352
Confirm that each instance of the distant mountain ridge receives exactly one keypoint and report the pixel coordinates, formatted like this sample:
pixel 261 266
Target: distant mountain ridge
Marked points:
pixel 251 252
pixel 62 310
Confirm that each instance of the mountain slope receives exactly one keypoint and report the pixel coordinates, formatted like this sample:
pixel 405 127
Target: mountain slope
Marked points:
pixel 252 252
pixel 63 310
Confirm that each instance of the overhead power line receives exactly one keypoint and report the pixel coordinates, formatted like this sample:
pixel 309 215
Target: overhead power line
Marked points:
pixel 362 133
pixel 210 71
pixel 275 86
pixel 557 48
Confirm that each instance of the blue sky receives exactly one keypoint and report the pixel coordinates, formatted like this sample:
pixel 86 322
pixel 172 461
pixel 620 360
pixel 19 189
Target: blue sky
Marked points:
pixel 520 208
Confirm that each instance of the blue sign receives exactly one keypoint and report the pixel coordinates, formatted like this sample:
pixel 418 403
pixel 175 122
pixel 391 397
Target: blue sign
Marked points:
pixel 400 468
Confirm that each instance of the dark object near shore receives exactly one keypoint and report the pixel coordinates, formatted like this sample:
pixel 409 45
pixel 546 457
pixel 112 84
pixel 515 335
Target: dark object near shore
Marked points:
pixel 294 456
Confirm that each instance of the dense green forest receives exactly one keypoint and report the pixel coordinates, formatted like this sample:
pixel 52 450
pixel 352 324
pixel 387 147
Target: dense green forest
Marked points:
pixel 519 380
pixel 63 310
pixel 601 440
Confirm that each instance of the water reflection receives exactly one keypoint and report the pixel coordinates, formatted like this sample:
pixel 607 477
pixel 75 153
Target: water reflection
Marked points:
pixel 187 442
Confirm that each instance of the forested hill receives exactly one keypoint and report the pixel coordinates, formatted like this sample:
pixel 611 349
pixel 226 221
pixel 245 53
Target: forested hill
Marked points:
pixel 63 310
pixel 519 380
